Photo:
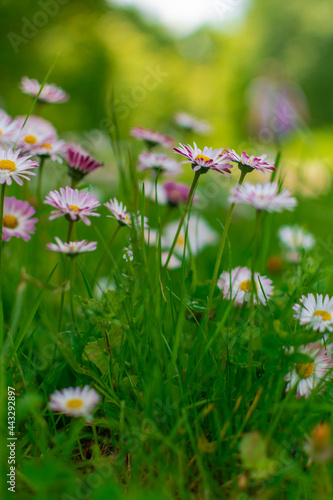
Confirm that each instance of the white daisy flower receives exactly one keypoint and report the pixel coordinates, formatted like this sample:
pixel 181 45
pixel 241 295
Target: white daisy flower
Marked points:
pixel 119 212
pixel 294 240
pixel 72 248
pixel 15 167
pixel 315 312
pixel 192 124
pixel 75 402
pixel 7 128
pixel 174 262
pixel 306 376
pixel 158 162
pixel 50 93
pixel 263 197
pixel 237 286
pixel 205 159
pixel 200 235
pixel 36 133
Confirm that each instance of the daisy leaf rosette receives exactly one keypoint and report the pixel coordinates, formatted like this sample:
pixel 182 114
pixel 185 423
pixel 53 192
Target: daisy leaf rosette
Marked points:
pixel 18 220
pixel 237 286
pixel 248 163
pixel 14 166
pixel 204 160
pixel 73 204
pixel 50 93
pixel 263 197
pixel 315 312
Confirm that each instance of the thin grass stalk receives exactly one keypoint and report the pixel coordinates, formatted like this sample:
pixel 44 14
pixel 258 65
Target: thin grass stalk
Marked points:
pixel 220 250
pixel 187 205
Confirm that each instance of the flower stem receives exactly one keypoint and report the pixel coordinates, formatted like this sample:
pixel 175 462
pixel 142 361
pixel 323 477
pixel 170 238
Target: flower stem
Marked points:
pixel 187 205
pixel 2 201
pixel 62 300
pixel 71 293
pixel 40 177
pixel 220 250
pixel 113 237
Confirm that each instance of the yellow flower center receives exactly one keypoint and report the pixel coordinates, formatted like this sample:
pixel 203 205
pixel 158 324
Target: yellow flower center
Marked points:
pixel 74 403
pixel 246 286
pixel 0 131
pixel 46 146
pixel 72 247
pixel 175 193
pixel 325 316
pixel 181 240
pixel 202 157
pixel 10 221
pixel 7 165
pixel 30 139
pixel 305 370
pixel 75 208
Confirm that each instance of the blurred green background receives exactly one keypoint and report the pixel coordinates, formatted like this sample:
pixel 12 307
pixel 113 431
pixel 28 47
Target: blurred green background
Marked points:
pixel 102 46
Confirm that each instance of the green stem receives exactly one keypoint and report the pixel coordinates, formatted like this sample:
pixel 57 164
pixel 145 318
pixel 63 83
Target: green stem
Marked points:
pixel 71 293
pixel 62 300
pixel 2 201
pixel 187 205
pixel 220 250
pixel 254 293
pixel 113 237
pixel 40 177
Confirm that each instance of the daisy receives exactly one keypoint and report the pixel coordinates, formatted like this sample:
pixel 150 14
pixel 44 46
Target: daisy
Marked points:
pixel 72 203
pixel 237 285
pixel 200 235
pixel 315 312
pixel 151 138
pixel 174 262
pixel 263 197
pixel 203 160
pixel 15 167
pixel 79 161
pixel 192 124
pixel 250 162
pixel 7 128
pixel 18 220
pixel 37 134
pixel 152 189
pixel 49 94
pixel 294 239
pixel 158 162
pixel 75 402
pixel 72 248
pixel 177 193
pixel 306 376
pixel 119 212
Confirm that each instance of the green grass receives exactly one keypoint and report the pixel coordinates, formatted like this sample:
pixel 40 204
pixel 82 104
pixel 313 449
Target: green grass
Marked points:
pixel 179 402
